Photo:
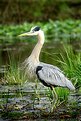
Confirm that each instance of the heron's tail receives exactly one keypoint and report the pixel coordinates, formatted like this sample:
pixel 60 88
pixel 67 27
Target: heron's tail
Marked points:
pixel 70 85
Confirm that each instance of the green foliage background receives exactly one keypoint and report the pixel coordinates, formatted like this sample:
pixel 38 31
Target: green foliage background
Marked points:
pixel 67 30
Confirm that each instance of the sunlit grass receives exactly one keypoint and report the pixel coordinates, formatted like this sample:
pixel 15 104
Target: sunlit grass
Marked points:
pixel 14 75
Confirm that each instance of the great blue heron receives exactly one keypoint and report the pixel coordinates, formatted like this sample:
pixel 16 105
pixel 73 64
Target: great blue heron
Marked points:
pixel 51 76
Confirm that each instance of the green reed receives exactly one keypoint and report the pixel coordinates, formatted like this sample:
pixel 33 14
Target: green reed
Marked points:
pixel 14 74
pixel 71 65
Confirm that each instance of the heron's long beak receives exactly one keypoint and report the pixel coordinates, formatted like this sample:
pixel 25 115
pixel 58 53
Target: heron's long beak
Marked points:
pixel 28 34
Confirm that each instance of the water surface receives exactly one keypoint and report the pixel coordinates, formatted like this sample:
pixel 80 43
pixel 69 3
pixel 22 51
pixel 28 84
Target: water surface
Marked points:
pixel 31 97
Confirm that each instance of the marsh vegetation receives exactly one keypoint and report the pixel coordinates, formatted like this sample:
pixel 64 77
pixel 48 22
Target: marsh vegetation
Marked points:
pixel 29 98
pixel 22 98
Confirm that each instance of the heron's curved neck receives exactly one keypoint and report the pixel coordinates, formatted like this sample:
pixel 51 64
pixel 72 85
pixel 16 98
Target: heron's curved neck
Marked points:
pixel 36 51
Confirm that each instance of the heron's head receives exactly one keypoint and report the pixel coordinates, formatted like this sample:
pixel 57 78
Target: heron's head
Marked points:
pixel 34 31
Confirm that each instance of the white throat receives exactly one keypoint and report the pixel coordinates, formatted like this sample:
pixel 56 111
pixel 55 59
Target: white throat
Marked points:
pixel 41 37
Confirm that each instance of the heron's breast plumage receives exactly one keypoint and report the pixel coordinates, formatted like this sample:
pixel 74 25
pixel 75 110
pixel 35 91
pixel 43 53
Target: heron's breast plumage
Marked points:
pixel 30 65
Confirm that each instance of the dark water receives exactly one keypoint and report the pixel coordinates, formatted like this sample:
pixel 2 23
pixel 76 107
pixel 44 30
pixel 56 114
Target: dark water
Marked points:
pixel 19 51
pixel 31 97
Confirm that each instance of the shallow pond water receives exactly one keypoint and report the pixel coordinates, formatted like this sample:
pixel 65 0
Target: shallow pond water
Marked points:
pixel 32 101
pixel 30 98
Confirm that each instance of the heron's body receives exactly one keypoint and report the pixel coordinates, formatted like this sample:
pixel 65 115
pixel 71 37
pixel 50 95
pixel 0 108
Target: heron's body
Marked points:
pixel 49 75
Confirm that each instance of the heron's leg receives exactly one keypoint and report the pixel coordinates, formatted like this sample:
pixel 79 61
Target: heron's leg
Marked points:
pixel 55 98
pixel 36 89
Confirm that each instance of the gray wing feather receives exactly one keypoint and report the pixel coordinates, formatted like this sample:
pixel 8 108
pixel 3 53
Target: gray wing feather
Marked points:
pixel 52 75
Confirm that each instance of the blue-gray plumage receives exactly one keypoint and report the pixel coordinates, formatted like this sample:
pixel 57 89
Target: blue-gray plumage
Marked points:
pixel 51 76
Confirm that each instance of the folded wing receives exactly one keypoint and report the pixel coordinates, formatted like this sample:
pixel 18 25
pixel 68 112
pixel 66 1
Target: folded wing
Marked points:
pixel 51 75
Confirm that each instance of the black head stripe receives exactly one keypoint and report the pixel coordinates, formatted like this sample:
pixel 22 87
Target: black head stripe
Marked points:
pixel 37 28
